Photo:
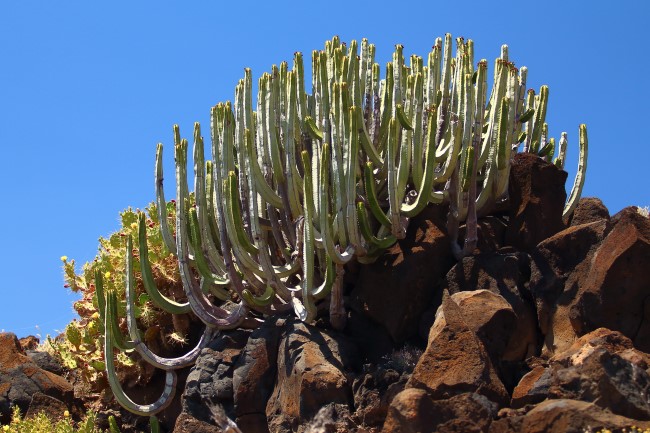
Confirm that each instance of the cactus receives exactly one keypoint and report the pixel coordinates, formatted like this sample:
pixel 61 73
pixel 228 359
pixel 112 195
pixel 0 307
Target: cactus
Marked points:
pixel 301 184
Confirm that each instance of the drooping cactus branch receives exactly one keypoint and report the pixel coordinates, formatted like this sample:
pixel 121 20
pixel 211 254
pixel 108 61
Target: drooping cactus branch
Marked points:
pixel 301 184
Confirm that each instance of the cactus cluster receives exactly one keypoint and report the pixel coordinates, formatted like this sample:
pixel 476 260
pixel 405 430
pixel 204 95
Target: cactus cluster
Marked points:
pixel 300 184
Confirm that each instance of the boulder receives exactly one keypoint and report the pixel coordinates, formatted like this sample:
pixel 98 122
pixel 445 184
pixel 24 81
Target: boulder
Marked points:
pixel 567 416
pixel 506 275
pixel 413 411
pixel 588 210
pixel 209 385
pixel 600 367
pixel 615 293
pixel 396 289
pixel 374 389
pixel 537 196
pixel 456 361
pixel 558 268
pixel 254 376
pixel 312 371
pixel 21 379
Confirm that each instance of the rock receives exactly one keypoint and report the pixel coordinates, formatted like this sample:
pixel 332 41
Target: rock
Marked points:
pixel 219 423
pixel 374 341
pixel 374 389
pixel 413 411
pixel 570 416
pixel 331 418
pixel 254 376
pixel 21 379
pixel 558 268
pixel 311 372
pixel 210 382
pixel 490 316
pixel 53 408
pixel 614 293
pixel 46 361
pixel 29 343
pixel 455 360
pixel 588 210
pixel 592 370
pixel 506 275
pixel 537 196
pixel 396 289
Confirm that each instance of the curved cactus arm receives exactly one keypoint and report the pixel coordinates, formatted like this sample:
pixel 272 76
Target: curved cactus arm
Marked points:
pixel 293 177
pixel 219 285
pixel 307 312
pixel 578 183
pixel 119 340
pixel 502 145
pixel 391 156
pixel 209 314
pixel 452 150
pixel 161 204
pixel 209 248
pixel 371 196
pixel 417 153
pixel 499 89
pixel 352 225
pixel 337 164
pixel 540 118
pixel 267 193
pixel 521 113
pixel 325 226
pixel 139 345
pixel 366 230
pixel 101 295
pixel 156 296
pixel 426 183
pixel 124 400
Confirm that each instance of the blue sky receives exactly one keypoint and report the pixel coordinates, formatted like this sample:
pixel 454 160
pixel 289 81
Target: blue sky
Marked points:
pixel 87 89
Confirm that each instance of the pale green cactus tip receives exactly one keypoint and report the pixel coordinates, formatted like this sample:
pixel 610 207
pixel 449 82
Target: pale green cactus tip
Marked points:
pixel 301 183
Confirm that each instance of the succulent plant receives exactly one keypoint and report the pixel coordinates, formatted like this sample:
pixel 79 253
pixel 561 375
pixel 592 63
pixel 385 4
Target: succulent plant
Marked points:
pixel 300 184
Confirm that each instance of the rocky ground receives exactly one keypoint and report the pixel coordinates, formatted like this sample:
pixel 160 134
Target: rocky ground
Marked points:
pixel 546 327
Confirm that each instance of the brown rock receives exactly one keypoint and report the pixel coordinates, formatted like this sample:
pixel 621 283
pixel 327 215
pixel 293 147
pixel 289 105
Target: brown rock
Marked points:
pixel 588 210
pixel 567 416
pixel 615 291
pixel 413 411
pixel 53 408
pixel 592 370
pixel 455 360
pixel 186 423
pixel 537 195
pixel 311 372
pixel 21 378
pixel 559 265
pixel 411 268
pixel 506 275
pixel 491 232
pixel 254 376
pixel 29 343
pixel 490 316
pixel 373 393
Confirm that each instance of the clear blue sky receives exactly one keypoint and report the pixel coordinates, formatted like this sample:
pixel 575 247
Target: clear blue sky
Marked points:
pixel 87 89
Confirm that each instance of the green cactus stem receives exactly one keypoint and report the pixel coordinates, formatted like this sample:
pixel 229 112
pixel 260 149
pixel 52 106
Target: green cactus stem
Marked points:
pixel 578 183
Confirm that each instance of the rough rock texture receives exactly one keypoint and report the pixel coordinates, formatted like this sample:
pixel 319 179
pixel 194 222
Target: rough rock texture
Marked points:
pixel 331 418
pixel 559 265
pixel 490 316
pixel 456 361
pixel 400 270
pixel 615 293
pixel 588 210
pixel 600 367
pixel 505 274
pixel 537 196
pixel 210 382
pixel 254 376
pixel 373 393
pixel 567 416
pixel 413 411
pixel 312 371
pixel 21 379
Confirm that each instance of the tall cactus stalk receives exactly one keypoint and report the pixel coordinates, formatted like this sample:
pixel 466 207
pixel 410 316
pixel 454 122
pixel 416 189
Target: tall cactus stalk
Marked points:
pixel 301 184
